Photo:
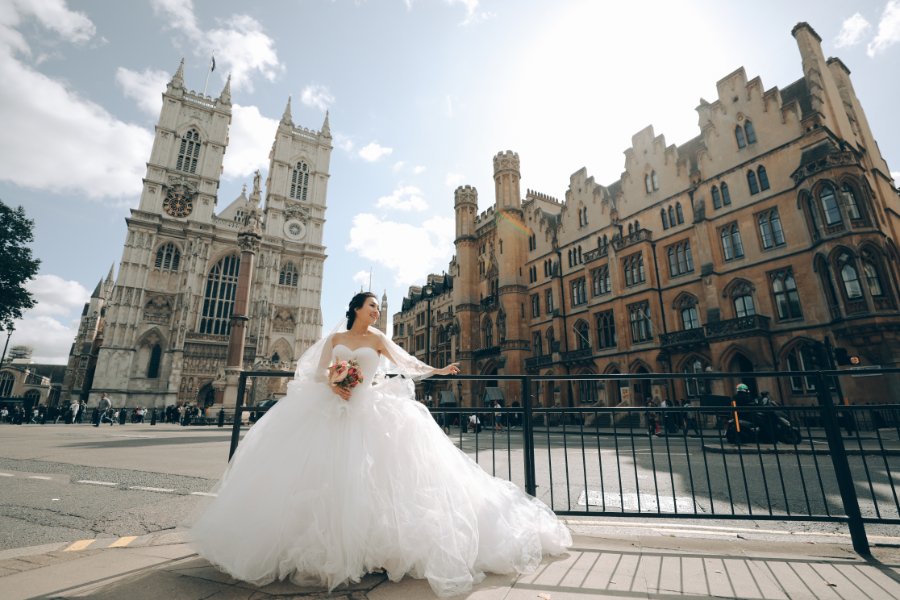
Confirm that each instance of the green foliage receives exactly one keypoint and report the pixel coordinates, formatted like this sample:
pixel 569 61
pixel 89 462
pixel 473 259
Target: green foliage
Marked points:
pixel 17 266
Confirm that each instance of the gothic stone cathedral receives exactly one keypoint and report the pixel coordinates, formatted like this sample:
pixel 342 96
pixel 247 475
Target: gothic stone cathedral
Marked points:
pixel 158 334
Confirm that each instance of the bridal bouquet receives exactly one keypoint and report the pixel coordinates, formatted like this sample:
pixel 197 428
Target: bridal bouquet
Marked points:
pixel 345 374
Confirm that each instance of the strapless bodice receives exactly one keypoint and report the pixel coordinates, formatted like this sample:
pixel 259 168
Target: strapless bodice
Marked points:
pixel 367 358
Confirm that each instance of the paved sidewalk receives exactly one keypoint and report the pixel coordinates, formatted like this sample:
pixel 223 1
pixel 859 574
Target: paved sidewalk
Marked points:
pixel 163 566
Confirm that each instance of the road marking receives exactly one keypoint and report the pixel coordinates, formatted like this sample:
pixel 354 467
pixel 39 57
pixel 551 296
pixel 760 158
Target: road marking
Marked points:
pixel 91 482
pixel 79 545
pixel 41 477
pixel 6 475
pixel 123 541
pixel 204 494
pixel 150 489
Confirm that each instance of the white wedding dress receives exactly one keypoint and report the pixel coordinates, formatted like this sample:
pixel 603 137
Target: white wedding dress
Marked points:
pixel 323 490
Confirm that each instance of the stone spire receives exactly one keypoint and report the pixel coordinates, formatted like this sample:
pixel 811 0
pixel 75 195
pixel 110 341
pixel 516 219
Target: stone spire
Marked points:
pixel 177 82
pixel 225 96
pixel 286 118
pixel 326 127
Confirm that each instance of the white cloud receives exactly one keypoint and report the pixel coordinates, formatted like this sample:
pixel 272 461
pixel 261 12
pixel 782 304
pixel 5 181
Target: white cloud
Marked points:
pixel 240 45
pixel 418 170
pixel 250 139
pixel 343 142
pixel 454 180
pixel 144 87
pixel 896 176
pixel 362 278
pixel 92 153
pixel 473 15
pixel 405 197
pixel 374 152
pixel 852 31
pixel 55 15
pixel 317 96
pixel 50 327
pixel 888 29
pixel 388 243
pixel 398 166
pixel 449 107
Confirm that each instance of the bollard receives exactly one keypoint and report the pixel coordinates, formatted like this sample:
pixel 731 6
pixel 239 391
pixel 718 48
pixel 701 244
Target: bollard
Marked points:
pixel 153 417
pixel 221 419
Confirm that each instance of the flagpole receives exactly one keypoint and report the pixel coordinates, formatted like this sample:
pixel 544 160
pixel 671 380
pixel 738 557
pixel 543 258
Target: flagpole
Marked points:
pixel 212 67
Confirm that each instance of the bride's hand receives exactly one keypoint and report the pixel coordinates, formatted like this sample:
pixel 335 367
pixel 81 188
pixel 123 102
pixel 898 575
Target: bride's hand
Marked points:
pixel 343 392
pixel 451 369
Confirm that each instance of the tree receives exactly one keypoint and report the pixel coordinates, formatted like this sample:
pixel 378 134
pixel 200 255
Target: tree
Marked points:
pixel 17 266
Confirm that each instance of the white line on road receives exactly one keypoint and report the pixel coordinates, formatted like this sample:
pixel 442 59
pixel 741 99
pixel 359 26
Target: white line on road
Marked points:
pixel 204 494
pixel 150 489
pixel 6 475
pixel 90 482
pixel 41 477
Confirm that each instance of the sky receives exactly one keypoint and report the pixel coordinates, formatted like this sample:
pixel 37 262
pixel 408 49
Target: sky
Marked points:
pixel 421 94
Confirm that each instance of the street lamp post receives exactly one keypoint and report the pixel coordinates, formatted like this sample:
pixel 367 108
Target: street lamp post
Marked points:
pixel 428 292
pixel 9 333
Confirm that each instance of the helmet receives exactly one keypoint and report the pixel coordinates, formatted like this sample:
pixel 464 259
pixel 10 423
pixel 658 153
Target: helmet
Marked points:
pixel 742 387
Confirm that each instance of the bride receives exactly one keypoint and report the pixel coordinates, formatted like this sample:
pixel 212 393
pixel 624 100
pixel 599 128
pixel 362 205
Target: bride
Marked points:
pixel 334 483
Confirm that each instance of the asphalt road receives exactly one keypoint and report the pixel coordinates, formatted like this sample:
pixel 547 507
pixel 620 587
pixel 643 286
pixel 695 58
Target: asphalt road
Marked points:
pixel 70 482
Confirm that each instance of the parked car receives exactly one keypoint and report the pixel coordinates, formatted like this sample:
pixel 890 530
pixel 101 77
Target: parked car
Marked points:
pixel 260 409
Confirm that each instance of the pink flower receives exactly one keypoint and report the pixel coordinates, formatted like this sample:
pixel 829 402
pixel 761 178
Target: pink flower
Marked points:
pixel 338 372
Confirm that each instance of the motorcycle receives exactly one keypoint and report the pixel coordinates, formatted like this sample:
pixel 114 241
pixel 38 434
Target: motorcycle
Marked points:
pixel 766 426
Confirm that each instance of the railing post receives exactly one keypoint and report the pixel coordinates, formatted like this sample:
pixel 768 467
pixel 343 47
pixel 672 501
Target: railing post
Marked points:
pixel 238 411
pixel 528 437
pixel 841 467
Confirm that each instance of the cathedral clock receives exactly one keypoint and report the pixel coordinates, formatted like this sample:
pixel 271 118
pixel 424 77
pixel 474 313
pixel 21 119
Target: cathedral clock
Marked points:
pixel 295 229
pixel 179 201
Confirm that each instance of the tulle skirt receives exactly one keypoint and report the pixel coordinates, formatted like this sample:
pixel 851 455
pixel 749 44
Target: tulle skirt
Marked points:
pixel 327 491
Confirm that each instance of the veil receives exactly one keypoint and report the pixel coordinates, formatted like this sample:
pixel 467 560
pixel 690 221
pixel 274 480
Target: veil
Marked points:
pixel 396 372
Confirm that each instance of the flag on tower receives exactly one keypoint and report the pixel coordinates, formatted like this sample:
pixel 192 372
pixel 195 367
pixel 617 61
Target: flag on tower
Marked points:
pixel 213 66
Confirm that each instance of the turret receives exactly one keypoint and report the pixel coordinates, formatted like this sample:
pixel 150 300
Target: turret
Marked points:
pixel 506 181
pixel 465 203
pixel 823 92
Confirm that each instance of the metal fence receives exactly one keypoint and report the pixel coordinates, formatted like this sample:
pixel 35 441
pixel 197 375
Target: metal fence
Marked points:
pixel 712 461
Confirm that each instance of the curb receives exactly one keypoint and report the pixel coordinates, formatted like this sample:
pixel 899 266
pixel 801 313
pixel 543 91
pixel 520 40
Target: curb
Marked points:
pixel 158 538
pixel 789 449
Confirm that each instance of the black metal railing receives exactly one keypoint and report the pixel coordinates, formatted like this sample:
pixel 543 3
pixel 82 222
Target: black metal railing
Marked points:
pixel 712 459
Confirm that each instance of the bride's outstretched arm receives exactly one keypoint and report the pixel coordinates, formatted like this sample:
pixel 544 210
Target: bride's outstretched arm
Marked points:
pixel 410 365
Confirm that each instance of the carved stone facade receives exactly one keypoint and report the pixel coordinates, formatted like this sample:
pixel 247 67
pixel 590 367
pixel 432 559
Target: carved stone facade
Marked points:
pixel 755 246
pixel 158 334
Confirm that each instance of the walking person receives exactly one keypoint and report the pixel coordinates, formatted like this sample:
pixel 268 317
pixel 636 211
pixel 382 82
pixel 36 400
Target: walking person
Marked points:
pixel 103 409
pixel 374 483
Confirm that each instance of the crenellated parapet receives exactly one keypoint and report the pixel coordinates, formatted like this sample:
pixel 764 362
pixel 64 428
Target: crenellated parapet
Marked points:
pixel 506 161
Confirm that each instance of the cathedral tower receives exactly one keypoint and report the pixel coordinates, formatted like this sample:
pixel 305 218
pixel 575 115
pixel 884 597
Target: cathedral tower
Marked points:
pixel 168 315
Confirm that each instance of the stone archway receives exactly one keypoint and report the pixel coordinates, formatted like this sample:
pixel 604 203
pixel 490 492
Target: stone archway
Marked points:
pixel 742 367
pixel 641 389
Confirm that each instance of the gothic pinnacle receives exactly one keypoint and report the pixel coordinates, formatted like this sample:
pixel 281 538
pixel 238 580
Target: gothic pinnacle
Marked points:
pixel 225 96
pixel 178 79
pixel 286 118
pixel 326 127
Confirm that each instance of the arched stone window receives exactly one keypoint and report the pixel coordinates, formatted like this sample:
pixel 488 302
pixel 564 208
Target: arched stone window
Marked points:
pixel 168 257
pixel 218 300
pixel 487 332
pixel 851 202
pixel 763 178
pixel 716 197
pixel 871 269
pixel 771 233
pixel 740 137
pixel 189 151
pixel 741 293
pixel 582 335
pixel 665 218
pixel 830 208
pixel 785 294
pixel 821 267
pixel 654 179
pixel 300 181
pixel 686 305
pixel 694 386
pixel 672 216
pixel 678 213
pixel 288 275
pixel 726 195
pixel 801 358
pixel 750 131
pixel 752 183
pixel 153 364
pixel 648 185
pixel 7 380
pixel 850 277
pixel 537 345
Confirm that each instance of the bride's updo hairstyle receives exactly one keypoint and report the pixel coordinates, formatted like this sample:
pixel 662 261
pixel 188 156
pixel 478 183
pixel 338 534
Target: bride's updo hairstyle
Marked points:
pixel 357 302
